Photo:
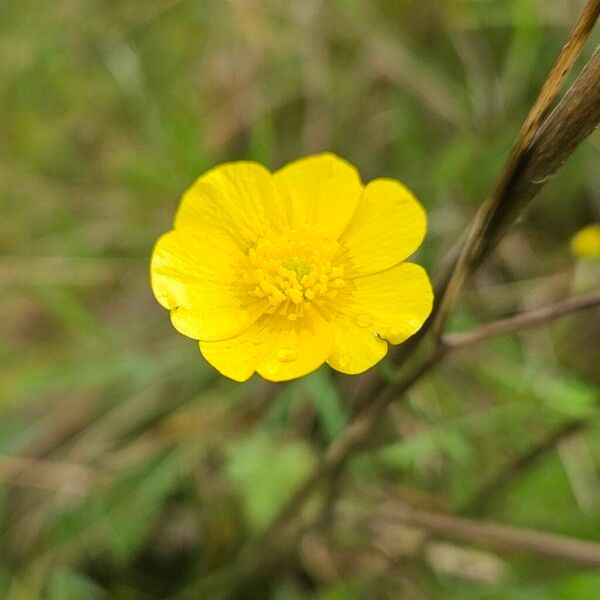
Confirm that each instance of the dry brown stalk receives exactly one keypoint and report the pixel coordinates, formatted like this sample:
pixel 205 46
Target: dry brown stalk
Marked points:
pixel 501 536
pixel 565 61
pixel 531 163
pixel 574 118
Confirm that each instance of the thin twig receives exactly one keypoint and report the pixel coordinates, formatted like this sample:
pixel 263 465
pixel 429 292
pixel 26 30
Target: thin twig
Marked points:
pixel 525 320
pixel 502 536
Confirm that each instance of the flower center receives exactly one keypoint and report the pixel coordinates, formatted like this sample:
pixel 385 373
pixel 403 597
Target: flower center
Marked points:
pixel 293 271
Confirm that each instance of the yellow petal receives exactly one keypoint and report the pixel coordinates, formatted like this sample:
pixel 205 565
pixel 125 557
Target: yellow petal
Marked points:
pixel 388 226
pixel 392 305
pixel 322 192
pixel 238 199
pixel 195 273
pixel 279 349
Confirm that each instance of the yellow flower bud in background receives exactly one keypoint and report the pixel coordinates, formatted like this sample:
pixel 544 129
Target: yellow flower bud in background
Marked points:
pixel 586 242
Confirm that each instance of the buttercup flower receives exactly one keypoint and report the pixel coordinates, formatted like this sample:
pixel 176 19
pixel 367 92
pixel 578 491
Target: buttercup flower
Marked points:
pixel 586 242
pixel 280 272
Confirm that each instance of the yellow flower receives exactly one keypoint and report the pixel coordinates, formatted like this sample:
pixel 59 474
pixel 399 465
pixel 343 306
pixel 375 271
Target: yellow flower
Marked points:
pixel 586 242
pixel 281 272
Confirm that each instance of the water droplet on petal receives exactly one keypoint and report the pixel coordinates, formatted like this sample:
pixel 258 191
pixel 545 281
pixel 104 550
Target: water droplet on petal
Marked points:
pixel 286 355
pixel 343 361
pixel 364 320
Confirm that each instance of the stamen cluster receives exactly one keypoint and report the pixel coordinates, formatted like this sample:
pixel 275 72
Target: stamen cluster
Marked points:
pixel 294 271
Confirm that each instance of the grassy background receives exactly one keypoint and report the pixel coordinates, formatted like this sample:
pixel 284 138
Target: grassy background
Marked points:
pixel 128 468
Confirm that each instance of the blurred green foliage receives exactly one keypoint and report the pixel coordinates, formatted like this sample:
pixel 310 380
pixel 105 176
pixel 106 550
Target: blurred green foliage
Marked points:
pixel 128 468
